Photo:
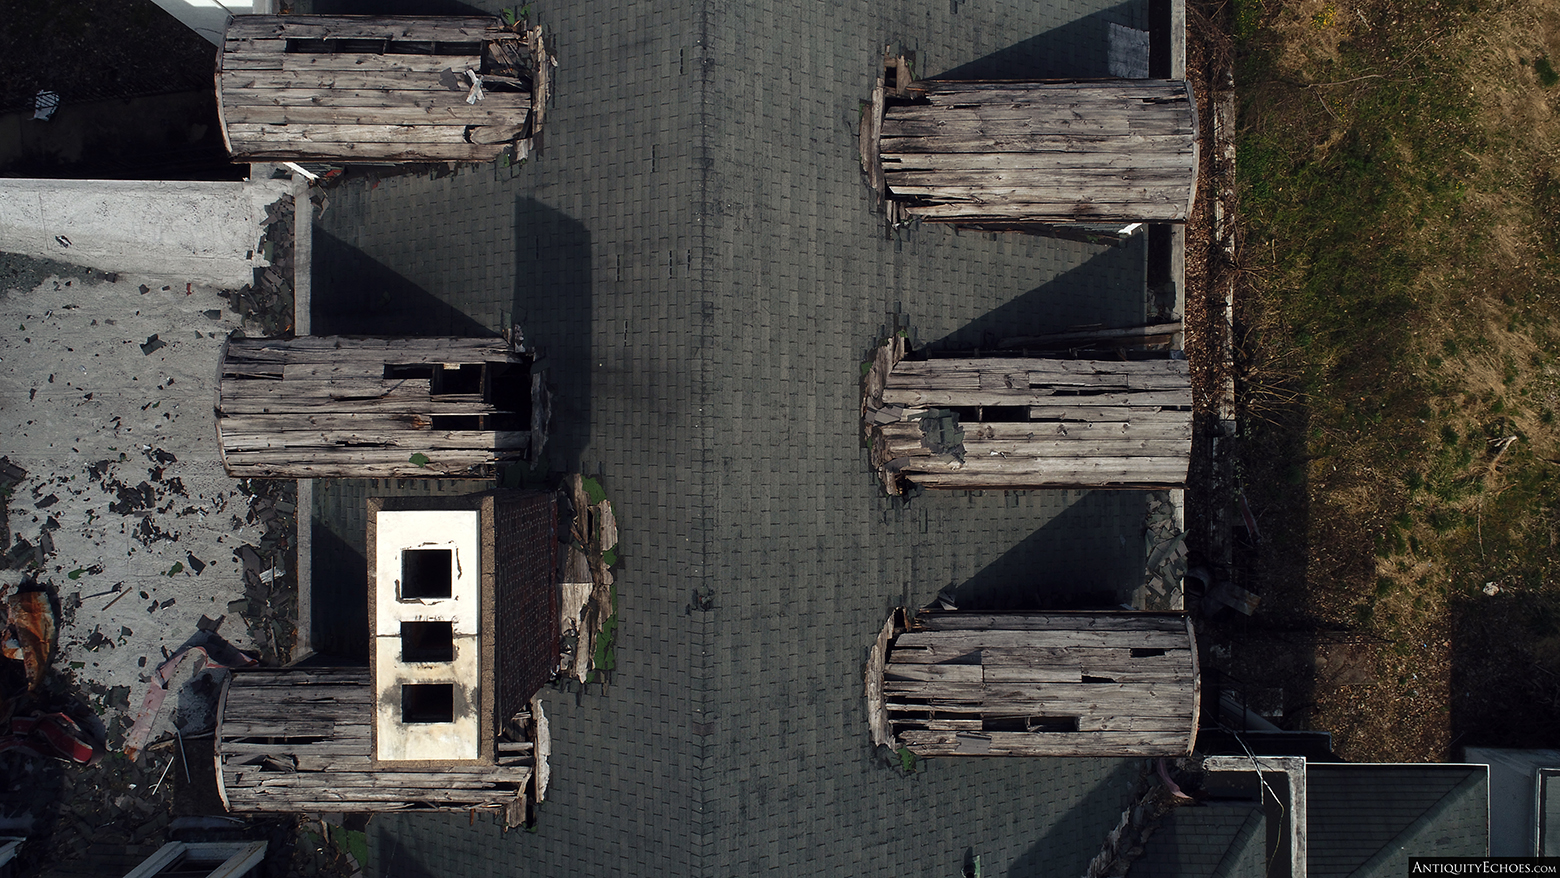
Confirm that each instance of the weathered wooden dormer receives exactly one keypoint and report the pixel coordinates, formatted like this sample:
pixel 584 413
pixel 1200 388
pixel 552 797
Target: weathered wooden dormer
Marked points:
pixel 463 607
pixel 1027 422
pixel 379 88
pixel 1007 154
pixel 1034 684
pixel 337 406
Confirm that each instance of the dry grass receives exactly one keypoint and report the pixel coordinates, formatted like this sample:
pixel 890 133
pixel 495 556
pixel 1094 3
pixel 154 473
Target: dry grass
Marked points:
pixel 1401 202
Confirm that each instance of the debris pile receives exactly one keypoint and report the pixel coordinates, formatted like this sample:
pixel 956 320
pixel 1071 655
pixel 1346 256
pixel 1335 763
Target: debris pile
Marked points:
pixel 1165 545
pixel 267 304
pixel 589 606
pixel 1154 796
pixel 270 602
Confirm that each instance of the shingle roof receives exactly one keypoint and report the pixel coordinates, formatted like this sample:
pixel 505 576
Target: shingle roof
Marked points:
pixel 1368 820
pixel 698 256
pixel 1217 841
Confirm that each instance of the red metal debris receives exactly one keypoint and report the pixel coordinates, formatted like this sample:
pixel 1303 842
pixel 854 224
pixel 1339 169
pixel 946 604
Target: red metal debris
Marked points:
pixel 28 636
pixel 158 690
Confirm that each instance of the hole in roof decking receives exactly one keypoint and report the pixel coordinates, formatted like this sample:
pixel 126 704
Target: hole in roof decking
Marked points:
pixel 426 574
pixel 427 641
pixel 428 703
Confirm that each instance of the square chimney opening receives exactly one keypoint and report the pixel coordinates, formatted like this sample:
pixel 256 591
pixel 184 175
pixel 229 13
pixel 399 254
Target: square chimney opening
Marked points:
pixel 427 641
pixel 428 703
pixel 425 574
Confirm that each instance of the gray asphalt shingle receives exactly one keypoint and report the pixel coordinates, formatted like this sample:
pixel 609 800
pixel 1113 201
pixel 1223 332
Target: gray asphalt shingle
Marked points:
pixel 698 255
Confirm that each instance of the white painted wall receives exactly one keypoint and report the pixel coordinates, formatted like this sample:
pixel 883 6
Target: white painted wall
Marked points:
pixel 205 233
pixel 394 533
pixel 209 17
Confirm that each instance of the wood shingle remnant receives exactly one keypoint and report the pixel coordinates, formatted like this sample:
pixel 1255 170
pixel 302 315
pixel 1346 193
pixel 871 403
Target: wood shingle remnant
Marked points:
pixel 1011 154
pixel 336 406
pixel 1035 684
pixel 380 88
pixel 1026 422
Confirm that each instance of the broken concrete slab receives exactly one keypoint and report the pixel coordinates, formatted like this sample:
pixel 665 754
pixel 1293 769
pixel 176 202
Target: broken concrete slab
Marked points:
pixel 201 232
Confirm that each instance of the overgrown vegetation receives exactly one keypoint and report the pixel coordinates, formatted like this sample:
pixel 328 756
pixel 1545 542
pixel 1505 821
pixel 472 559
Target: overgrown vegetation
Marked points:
pixel 1400 202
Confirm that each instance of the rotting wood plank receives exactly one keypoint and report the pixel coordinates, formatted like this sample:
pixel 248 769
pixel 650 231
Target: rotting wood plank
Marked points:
pixel 439 457
pixel 1058 197
pixel 349 385
pixel 353 470
pixel 877 720
pixel 306 136
pixel 1042 365
pixel 343 753
pixel 930 743
pixel 926 655
pixel 1080 212
pixel 1108 91
pixel 1023 481
pixel 294 422
pixel 952 673
pixel 409 350
pixel 970 640
pixel 500 103
pixel 1082 424
pixel 408 28
pixel 1058 183
pixel 1030 396
pixel 347 682
pixel 370 64
pixel 1152 699
pixel 1014 451
pixel 419 440
pixel 1159 135
pixel 1079 621
pixel 1049 468
pixel 347 697
pixel 897 148
pixel 453 114
pixel 1179 675
pixel 382 778
pixel 234 81
pixel 456 152
pixel 1056 411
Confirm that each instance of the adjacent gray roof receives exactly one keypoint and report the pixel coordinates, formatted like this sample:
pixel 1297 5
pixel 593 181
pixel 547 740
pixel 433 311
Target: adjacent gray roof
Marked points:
pixel 1368 820
pixel 697 254
pixel 1223 840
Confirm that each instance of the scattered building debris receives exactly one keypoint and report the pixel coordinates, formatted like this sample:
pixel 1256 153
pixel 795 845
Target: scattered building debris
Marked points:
pixel 270 603
pixel 1164 538
pixel 267 304
pixel 589 607
pixel 1154 796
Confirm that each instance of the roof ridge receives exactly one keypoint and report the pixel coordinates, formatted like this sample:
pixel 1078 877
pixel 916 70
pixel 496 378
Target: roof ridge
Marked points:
pixel 1400 842
pixel 1255 820
pixel 702 850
